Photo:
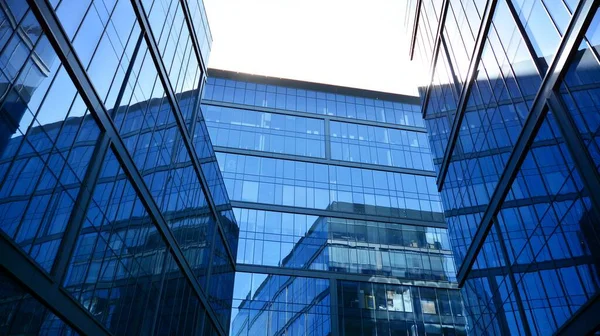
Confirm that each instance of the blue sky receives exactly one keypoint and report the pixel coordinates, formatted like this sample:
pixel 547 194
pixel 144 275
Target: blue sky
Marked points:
pixel 344 42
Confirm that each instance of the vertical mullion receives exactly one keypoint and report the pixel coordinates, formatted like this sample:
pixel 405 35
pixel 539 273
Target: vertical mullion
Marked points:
pixel 581 157
pixel 171 97
pixel 512 279
pixel 58 39
pixel 566 52
pixel 435 53
pixel 461 106
pixel 84 198
pixel 334 314
pixel 327 133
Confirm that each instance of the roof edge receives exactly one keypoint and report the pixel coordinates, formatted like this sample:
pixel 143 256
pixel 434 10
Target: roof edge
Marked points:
pixel 305 85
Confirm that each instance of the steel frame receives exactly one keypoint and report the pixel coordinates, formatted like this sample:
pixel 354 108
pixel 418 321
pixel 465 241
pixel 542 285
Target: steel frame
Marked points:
pixel 546 98
pixel 47 287
pixel 335 214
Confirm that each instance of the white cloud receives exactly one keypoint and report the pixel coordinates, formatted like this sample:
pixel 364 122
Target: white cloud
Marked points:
pixel 343 42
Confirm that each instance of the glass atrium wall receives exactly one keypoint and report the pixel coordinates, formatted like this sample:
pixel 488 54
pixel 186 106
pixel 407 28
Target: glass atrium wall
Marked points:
pixel 512 116
pixel 341 225
pixel 113 218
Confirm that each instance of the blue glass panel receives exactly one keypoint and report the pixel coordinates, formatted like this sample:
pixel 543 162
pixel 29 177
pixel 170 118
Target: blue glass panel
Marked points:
pixel 262 131
pixel 341 245
pixel 379 145
pixel 581 93
pixel 499 102
pixel 104 35
pixel 544 27
pixel 47 138
pixel 391 309
pixel 441 108
pixel 274 305
pixel 22 314
pixel 548 228
pixel 314 102
pixel 319 186
pixel 220 291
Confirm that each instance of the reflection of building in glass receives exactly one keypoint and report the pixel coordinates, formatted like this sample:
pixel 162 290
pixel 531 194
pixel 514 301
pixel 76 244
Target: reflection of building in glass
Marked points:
pixel 385 251
pixel 341 227
pixel 346 245
pixel 113 215
pixel 512 114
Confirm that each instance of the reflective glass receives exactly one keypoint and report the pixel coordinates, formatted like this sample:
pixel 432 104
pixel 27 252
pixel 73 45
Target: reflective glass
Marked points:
pixel 280 305
pixel 104 34
pixel 271 96
pixel 392 309
pixel 263 131
pixel 548 226
pixel 544 21
pixel 441 107
pixel 343 245
pixel 50 150
pixel 463 20
pixel 220 291
pixel 581 92
pixel 22 314
pixel 47 138
pixel 119 258
pixel 173 39
pixel 379 145
pixel 500 98
pixel 320 186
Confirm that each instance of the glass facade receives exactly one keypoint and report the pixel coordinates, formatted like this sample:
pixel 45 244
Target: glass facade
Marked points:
pixel 341 230
pixel 512 115
pixel 313 101
pixel 331 187
pixel 109 186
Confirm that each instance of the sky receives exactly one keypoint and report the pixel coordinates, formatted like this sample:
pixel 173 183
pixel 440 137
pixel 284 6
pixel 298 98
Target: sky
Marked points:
pixel 352 43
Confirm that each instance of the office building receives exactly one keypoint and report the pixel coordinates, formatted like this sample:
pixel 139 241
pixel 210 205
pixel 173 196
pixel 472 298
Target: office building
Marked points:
pixel 113 214
pixel 512 111
pixel 341 225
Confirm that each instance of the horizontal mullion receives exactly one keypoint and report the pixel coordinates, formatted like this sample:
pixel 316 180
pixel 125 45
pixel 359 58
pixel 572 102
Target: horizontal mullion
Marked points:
pixel 558 67
pixel 315 116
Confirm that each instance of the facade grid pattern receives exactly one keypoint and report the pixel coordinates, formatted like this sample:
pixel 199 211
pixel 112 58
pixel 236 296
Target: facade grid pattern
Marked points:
pixel 113 216
pixel 512 117
pixel 341 227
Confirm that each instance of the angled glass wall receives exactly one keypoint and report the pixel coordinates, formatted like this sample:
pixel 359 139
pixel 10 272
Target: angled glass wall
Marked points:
pixel 512 117
pixel 113 216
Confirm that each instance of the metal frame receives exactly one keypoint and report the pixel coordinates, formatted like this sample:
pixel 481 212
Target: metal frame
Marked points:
pixel 48 291
pixel 585 320
pixel 573 36
pixel 439 40
pixel 188 21
pixel 580 155
pixel 315 116
pixel 183 130
pixel 308 273
pixel 413 39
pixel 466 90
pixel 84 198
pixel 305 85
pixel 335 214
pixel 334 312
pixel 47 288
pixel 332 276
pixel 326 161
pixel 546 98
pixel 513 281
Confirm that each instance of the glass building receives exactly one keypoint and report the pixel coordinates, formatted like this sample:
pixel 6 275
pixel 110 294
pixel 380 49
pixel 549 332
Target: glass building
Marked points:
pixel 512 112
pixel 113 214
pixel 341 230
